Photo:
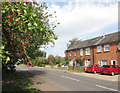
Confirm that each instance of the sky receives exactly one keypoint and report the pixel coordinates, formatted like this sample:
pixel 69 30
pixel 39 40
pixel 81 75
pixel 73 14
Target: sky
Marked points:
pixel 82 19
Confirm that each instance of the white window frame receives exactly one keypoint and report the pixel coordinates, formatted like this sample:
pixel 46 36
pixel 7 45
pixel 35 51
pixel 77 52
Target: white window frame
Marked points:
pixel 100 62
pixel 71 53
pixel 119 46
pixel 99 48
pixel 81 52
pixel 87 51
pixel 106 46
pixel 112 62
pixel 75 52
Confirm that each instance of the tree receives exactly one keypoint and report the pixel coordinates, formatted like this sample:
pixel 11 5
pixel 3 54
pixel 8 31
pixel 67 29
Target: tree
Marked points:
pixel 81 63
pixel 51 59
pixel 57 60
pixel 73 41
pixel 38 53
pixel 67 60
pixel 25 28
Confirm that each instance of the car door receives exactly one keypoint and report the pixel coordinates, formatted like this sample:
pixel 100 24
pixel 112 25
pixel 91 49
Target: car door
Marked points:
pixel 115 69
pixel 97 68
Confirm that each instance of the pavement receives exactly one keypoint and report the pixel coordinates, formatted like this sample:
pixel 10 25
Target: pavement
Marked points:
pixel 60 80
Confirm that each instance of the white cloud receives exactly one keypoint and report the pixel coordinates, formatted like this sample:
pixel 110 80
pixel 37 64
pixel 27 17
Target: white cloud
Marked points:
pixel 79 19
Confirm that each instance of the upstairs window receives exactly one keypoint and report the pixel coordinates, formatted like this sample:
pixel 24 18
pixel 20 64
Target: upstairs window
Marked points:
pixel 75 52
pixel 81 52
pixel 99 48
pixel 107 47
pixel 71 53
pixel 87 51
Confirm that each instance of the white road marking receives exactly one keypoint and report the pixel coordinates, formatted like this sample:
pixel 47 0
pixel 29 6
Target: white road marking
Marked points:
pixel 70 78
pixel 107 88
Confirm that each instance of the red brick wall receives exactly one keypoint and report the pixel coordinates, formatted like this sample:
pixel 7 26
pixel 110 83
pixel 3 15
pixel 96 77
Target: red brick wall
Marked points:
pixel 111 55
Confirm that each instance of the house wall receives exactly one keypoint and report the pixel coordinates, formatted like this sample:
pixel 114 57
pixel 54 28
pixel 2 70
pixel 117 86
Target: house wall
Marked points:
pixel 110 55
pixel 113 54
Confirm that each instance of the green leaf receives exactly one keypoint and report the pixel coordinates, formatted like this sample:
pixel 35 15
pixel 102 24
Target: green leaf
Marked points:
pixel 3 11
pixel 29 24
pixel 7 59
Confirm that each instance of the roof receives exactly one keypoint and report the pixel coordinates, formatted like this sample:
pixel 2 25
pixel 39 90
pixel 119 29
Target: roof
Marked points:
pixel 106 39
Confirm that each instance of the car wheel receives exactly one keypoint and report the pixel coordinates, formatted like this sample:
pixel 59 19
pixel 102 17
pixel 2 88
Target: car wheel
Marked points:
pixel 113 74
pixel 102 74
pixel 95 72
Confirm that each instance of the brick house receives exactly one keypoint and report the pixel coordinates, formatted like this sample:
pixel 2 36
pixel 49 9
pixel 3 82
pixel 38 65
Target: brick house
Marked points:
pixel 100 50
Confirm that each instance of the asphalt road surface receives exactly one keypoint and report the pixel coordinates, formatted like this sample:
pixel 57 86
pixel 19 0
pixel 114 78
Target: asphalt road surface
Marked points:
pixel 72 82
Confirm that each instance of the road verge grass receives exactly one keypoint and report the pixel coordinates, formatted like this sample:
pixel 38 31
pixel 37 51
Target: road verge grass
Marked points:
pixel 17 82
pixel 78 71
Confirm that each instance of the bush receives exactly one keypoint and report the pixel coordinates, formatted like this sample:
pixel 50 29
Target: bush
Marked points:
pixel 81 63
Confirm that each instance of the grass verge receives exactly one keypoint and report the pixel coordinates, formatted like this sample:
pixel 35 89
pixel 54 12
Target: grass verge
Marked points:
pixel 17 82
pixel 68 70
pixel 76 71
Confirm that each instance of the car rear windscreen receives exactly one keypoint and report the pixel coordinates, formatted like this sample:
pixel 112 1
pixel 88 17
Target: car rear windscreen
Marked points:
pixel 90 66
pixel 106 66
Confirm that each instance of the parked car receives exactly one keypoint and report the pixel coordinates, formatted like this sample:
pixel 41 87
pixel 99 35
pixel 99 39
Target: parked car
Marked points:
pixel 110 69
pixel 93 68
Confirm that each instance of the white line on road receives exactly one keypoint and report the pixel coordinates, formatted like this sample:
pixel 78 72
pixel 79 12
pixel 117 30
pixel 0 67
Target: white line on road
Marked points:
pixel 107 88
pixel 70 78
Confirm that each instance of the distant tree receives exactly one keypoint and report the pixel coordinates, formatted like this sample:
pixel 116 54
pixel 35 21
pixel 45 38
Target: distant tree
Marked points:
pixel 38 53
pixel 63 62
pixel 67 60
pixel 73 41
pixel 57 60
pixel 51 59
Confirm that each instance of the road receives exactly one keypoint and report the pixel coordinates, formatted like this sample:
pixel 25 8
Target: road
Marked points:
pixel 71 82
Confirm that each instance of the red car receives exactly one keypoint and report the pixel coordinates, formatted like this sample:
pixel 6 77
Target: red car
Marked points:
pixel 110 69
pixel 93 68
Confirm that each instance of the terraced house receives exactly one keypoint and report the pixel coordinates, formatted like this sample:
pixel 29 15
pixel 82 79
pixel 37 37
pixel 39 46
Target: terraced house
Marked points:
pixel 101 50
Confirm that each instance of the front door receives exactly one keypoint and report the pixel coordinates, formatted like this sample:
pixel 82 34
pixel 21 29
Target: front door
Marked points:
pixel 87 62
pixel 113 62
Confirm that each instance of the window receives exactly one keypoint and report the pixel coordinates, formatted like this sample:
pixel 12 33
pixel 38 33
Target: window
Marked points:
pixel 99 48
pixel 87 62
pixel 81 52
pixel 71 53
pixel 87 51
pixel 119 45
pixel 102 62
pixel 90 66
pixel 107 47
pixel 115 66
pixel 96 65
pixel 106 66
pixel 75 52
